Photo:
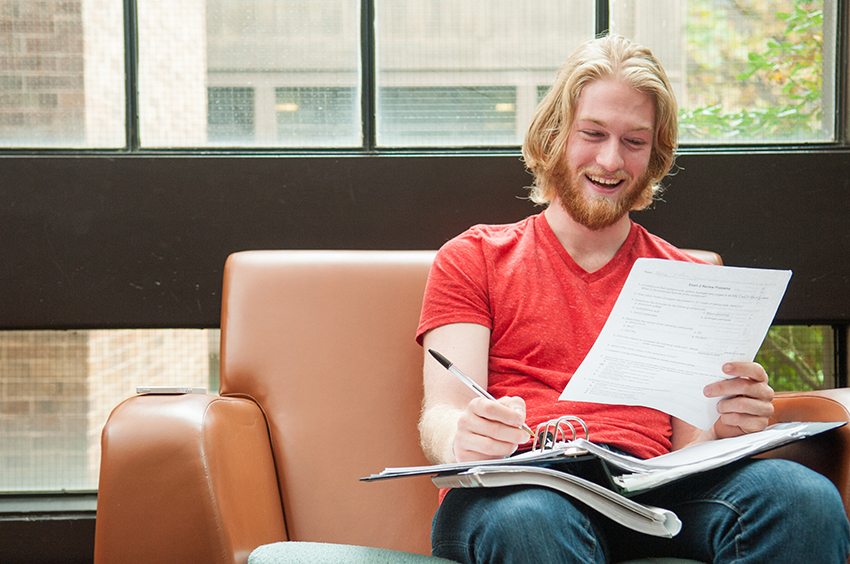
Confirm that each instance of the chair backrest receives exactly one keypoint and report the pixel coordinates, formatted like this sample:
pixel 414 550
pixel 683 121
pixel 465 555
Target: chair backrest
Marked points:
pixel 708 256
pixel 324 342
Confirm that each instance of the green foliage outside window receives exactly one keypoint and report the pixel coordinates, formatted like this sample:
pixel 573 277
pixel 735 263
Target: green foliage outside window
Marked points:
pixel 755 74
pixel 798 357
pixel 762 86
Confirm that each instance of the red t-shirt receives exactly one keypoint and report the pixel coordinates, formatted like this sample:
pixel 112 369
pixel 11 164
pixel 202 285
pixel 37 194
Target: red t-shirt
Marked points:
pixel 544 312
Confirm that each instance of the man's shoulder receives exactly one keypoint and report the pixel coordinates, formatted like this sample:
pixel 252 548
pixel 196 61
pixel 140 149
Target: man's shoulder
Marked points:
pixel 497 230
pixel 493 235
pixel 653 246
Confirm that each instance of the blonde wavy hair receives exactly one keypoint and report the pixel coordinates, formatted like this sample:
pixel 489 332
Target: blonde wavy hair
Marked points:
pixel 605 57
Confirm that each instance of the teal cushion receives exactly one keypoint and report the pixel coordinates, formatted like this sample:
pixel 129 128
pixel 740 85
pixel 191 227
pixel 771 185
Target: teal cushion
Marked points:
pixel 661 561
pixel 291 552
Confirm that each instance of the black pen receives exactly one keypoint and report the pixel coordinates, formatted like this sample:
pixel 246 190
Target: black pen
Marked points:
pixel 470 382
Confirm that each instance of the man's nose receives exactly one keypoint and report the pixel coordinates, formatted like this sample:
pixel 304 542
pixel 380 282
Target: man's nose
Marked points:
pixel 611 156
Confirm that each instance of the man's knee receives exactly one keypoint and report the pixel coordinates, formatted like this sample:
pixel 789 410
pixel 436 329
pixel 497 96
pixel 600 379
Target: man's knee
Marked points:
pixel 804 499
pixel 788 483
pixel 523 524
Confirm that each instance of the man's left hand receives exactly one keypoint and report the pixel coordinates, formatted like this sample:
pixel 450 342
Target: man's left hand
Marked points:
pixel 747 404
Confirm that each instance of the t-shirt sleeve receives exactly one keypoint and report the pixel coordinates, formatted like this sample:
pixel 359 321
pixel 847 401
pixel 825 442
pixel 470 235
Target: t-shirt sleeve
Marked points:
pixel 457 288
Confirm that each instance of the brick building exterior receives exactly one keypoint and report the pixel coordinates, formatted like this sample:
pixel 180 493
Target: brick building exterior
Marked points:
pixel 42 92
pixel 58 387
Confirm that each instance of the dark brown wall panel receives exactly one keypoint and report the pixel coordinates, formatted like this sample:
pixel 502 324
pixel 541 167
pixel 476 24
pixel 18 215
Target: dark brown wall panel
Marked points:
pixel 140 241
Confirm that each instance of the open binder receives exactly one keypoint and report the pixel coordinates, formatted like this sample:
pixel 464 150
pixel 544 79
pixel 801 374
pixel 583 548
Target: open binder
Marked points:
pixel 604 479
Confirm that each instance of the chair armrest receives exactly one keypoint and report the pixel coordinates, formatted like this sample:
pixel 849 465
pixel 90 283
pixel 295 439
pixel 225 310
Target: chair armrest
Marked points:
pixel 827 453
pixel 186 479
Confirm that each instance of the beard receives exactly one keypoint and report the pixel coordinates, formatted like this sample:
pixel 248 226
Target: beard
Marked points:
pixel 599 212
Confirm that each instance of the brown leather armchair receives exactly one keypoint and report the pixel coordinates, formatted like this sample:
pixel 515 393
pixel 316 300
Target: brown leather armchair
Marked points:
pixel 320 385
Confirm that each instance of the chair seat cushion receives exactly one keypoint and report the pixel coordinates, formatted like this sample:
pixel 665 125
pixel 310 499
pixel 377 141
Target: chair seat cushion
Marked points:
pixel 291 552
pixel 661 561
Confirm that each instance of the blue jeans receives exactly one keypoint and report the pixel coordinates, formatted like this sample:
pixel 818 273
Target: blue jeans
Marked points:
pixel 755 511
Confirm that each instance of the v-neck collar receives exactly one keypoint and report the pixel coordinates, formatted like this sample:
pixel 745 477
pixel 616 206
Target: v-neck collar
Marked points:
pixel 558 249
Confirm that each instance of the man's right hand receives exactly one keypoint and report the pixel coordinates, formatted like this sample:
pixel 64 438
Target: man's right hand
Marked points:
pixel 488 429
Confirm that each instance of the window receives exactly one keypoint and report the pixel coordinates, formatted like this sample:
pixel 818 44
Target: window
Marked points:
pixel 58 388
pixel 301 58
pixel 61 74
pixel 799 357
pixel 457 74
pixel 758 71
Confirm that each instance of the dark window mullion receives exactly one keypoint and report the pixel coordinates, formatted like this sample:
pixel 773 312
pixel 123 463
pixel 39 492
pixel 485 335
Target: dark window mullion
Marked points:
pixel 842 355
pixel 841 47
pixel 603 17
pixel 131 79
pixel 368 74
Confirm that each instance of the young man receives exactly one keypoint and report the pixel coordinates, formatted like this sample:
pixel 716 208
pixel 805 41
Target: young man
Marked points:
pixel 518 306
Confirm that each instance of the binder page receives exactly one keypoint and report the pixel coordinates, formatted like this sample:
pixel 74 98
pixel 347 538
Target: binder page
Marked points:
pixel 671 330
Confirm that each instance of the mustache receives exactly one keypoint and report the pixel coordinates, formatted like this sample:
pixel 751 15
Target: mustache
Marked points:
pixel 607 174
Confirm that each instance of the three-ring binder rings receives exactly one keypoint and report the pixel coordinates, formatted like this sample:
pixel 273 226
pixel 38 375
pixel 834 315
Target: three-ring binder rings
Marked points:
pixel 564 460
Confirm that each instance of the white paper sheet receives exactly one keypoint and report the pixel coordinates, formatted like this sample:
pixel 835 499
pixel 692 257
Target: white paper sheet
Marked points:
pixel 673 327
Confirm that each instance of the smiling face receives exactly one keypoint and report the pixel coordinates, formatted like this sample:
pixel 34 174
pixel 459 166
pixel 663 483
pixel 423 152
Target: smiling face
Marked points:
pixel 607 154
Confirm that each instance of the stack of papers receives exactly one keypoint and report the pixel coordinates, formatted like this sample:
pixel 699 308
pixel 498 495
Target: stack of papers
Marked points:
pixel 673 327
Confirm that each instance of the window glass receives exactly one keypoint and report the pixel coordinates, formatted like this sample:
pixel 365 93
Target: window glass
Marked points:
pixel 439 116
pixel 799 357
pixel 754 71
pixel 211 72
pixel 467 73
pixel 62 74
pixel 230 118
pixel 309 116
pixel 58 387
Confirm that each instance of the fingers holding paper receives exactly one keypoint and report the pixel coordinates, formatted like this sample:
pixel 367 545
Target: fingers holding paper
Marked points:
pixel 746 404
pixel 488 429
